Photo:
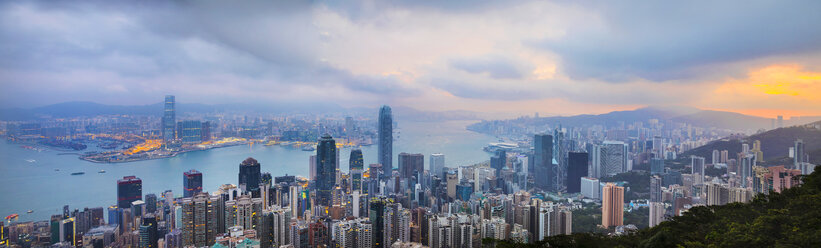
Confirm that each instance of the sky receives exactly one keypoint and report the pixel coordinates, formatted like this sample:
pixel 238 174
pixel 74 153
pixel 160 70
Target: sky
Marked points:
pixel 552 57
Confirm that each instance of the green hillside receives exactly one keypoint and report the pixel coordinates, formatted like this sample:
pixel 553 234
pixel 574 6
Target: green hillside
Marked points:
pixel 774 143
pixel 789 219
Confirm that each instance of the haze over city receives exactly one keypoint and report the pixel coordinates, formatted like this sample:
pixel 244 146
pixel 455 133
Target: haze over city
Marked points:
pixel 553 57
pixel 410 124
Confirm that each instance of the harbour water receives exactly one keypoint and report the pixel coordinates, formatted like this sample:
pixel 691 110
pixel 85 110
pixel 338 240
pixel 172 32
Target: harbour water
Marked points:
pixel 29 181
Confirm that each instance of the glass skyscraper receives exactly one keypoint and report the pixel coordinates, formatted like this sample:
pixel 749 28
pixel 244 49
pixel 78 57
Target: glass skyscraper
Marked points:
pixel 543 161
pixel 577 168
pixel 169 119
pixel 385 133
pixel 249 176
pixel 191 183
pixel 325 169
pixel 129 189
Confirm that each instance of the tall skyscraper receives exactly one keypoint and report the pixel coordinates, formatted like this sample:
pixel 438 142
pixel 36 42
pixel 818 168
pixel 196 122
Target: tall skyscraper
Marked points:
pixel 169 119
pixel 576 169
pixel 129 189
pixel 385 135
pixel 697 167
pixel 746 169
pixel 148 232
pixel 437 164
pixel 249 176
pixel 356 160
pixel 656 213
pixel 410 164
pixel 612 210
pixel 191 183
pixel 656 166
pixel 543 163
pixel 189 131
pixel 614 158
pixel 199 220
pixel 325 169
pixel 655 188
pixel 498 161
pixel 798 156
pixel 377 218
pixel 595 161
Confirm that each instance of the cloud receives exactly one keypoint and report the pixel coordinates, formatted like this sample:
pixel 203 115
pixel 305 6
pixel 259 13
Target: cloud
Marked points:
pixel 496 67
pixel 677 40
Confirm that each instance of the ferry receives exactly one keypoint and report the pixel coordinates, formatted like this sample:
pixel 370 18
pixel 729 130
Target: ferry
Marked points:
pixel 101 171
pixel 30 211
pixel 308 148
pixel 78 173
pixel 31 160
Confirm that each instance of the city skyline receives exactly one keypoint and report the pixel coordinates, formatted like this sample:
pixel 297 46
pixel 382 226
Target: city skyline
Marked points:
pixel 555 58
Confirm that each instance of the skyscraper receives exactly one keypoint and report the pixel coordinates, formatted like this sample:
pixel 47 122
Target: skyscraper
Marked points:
pixel 169 119
pixel 612 210
pixel 613 158
pixel 498 161
pixel 697 167
pixel 377 218
pixel 656 213
pixel 356 165
pixel 191 183
pixel 595 161
pixel 410 164
pixel 655 188
pixel 576 169
pixel 437 164
pixel 199 222
pixel 798 156
pixel 148 232
pixel 543 163
pixel 129 189
pixel 325 169
pixel 385 135
pixel 189 131
pixel 249 176
pixel 656 166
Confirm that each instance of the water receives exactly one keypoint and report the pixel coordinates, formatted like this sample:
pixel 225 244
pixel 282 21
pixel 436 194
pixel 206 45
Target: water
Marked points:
pixel 37 186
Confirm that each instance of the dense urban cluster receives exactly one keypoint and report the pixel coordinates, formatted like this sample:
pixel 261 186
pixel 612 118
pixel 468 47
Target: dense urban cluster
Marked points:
pixel 527 192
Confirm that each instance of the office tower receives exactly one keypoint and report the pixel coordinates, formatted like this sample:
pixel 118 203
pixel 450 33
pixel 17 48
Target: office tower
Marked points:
pixel 312 167
pixel 377 219
pixel 189 131
pixel 697 168
pixel 410 165
pixel 356 161
pixel 325 170
pixel 199 222
pixel 613 158
pixel 798 153
pixel 205 131
pixel 68 229
pixel 745 171
pixel 576 169
pixel 129 189
pixel 498 161
pixel 656 213
pixel 590 187
pixel 452 179
pixel 437 164
pixel 612 205
pixel 543 163
pixel 655 188
pixel 150 203
pixel 385 135
pixel 595 161
pixel 148 232
pixel 243 211
pixel 249 176
pixel 656 166
pixel 169 120
pixel 191 183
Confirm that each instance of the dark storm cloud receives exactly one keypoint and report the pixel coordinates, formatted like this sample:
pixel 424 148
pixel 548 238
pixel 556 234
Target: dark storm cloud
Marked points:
pixel 669 40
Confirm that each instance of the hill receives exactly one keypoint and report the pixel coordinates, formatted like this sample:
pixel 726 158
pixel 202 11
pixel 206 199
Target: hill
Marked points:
pixel 774 143
pixel 788 219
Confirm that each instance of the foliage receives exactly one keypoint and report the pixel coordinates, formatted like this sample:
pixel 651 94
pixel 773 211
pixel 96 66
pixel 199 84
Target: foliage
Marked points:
pixel 788 219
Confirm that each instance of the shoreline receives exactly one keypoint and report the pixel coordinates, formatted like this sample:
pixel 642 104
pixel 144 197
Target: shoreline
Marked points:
pixel 174 154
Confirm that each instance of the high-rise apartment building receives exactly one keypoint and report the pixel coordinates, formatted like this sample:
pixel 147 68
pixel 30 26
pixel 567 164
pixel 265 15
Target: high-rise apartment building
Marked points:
pixel 614 158
pixel 199 219
pixel 656 213
pixel 612 205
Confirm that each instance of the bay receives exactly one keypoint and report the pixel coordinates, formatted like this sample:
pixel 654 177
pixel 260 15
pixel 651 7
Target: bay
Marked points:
pixel 28 180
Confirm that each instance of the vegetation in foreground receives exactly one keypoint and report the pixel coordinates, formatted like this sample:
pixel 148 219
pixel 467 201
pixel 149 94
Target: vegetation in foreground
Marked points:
pixel 788 219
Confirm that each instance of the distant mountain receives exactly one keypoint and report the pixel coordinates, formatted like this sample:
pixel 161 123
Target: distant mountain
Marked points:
pixel 774 143
pixel 724 120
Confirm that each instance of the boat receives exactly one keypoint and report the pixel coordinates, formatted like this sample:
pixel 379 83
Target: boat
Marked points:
pixel 30 211
pixel 78 173
pixel 31 160
pixel 55 169
pixel 308 148
pixel 101 171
